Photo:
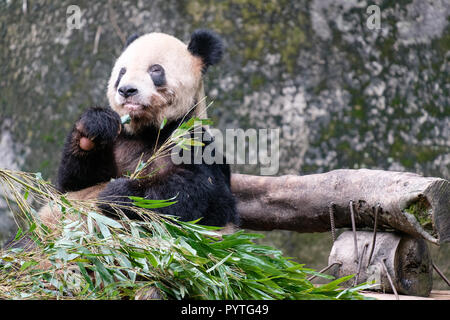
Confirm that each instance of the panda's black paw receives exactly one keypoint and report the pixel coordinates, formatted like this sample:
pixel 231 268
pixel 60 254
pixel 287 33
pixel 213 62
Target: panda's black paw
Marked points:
pixel 96 128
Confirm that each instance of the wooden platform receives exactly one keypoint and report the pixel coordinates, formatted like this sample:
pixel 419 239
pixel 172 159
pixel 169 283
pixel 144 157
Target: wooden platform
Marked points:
pixel 435 295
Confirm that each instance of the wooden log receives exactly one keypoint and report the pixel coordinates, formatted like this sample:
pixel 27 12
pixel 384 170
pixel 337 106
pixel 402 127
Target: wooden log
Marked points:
pixel 410 203
pixel 407 260
pixel 434 295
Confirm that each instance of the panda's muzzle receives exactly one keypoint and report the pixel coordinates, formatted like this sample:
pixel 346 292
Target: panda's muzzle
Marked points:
pixel 127 91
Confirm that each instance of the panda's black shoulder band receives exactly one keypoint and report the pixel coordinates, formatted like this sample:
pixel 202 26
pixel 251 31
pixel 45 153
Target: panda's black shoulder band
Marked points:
pixel 207 45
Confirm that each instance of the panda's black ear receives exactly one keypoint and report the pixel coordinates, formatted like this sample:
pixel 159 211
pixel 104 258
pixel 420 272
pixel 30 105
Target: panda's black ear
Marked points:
pixel 207 45
pixel 130 39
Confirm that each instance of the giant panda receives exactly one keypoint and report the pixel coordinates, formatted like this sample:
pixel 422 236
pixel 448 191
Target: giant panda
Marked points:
pixel 157 78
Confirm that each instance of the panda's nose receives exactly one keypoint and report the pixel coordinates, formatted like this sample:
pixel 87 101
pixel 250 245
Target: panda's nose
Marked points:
pixel 127 91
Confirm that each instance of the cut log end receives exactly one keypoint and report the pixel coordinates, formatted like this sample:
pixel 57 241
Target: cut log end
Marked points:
pixel 406 259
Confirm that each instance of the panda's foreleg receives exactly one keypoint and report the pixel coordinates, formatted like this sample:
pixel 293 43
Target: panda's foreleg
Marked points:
pixel 116 194
pixel 87 157
pixel 198 194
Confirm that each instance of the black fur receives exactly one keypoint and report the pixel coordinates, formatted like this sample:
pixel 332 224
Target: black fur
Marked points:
pixel 207 45
pixel 121 73
pixel 201 190
pixel 80 169
pixel 158 75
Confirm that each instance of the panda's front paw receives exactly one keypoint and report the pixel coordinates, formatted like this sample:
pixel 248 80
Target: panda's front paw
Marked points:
pixel 96 128
pixel 116 196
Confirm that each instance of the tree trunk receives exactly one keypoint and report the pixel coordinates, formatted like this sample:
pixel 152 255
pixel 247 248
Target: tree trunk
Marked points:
pixel 416 205
pixel 406 259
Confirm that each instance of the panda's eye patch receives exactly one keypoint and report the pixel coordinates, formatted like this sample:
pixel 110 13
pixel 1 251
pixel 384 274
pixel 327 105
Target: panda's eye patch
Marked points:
pixel 157 74
pixel 121 73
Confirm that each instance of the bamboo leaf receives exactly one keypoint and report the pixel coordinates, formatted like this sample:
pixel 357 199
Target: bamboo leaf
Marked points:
pixel 101 219
pixel 154 205
pixel 219 263
pixel 18 234
pixel 28 264
pixel 163 123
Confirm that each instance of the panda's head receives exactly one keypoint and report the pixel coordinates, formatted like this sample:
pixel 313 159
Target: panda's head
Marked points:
pixel 157 76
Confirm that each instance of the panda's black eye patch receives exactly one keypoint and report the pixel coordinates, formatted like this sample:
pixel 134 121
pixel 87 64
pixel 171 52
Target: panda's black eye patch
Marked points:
pixel 157 74
pixel 121 73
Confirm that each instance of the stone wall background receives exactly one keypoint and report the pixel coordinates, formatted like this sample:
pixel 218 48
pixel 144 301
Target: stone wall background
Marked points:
pixel 342 95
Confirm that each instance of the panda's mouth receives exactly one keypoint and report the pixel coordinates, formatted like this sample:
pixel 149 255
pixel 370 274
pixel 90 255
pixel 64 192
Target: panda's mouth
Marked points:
pixel 133 107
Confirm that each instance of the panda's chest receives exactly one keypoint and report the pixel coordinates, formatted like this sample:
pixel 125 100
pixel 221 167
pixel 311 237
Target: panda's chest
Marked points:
pixel 128 153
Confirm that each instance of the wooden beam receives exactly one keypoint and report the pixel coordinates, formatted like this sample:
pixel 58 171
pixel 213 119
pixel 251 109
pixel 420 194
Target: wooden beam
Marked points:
pixel 301 203
pixel 434 295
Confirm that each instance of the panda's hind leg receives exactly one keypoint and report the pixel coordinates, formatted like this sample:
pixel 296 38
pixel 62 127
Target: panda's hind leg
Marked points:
pixel 50 214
